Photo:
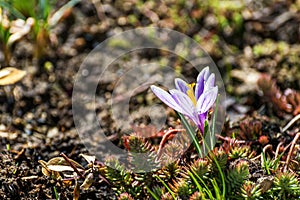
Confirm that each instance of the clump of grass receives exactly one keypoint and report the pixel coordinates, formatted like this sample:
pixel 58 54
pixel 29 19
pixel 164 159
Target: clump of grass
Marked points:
pixel 44 17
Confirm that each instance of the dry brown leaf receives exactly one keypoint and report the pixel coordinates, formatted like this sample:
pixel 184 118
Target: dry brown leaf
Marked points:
pixel 76 193
pixel 60 168
pixel 18 29
pixel 56 165
pixel 89 159
pixel 10 75
pixel 47 172
pixel 62 161
pixel 88 181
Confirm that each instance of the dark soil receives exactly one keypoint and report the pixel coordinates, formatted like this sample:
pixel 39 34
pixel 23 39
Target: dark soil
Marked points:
pixel 36 121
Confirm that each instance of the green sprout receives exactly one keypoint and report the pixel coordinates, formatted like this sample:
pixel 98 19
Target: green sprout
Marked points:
pixel 11 30
pixel 42 11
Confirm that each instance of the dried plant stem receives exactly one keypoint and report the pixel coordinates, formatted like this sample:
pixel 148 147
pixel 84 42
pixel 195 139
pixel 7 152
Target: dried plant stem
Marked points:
pixel 269 146
pixel 29 177
pixel 72 165
pixel 228 139
pixel 297 117
pixel 255 158
pixel 165 138
pixel 291 151
pixel 7 54
pixel 277 149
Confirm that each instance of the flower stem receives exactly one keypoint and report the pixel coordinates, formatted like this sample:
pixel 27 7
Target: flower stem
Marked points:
pixel 191 133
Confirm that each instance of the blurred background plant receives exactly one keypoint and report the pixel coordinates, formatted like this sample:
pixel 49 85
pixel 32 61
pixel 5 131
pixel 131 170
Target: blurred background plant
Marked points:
pixel 46 17
pixel 13 27
pixel 19 17
pixel 256 47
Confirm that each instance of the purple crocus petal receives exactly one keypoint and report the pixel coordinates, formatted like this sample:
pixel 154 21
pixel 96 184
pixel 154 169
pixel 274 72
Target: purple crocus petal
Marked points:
pixel 166 98
pixel 210 82
pixel 202 77
pixel 196 120
pixel 202 118
pixel 181 85
pixel 199 89
pixel 206 100
pixel 204 73
pixel 184 102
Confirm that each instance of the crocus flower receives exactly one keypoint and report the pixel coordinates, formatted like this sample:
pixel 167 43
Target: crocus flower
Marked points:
pixel 192 100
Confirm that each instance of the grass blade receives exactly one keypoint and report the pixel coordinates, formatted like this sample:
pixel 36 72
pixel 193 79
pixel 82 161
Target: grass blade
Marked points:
pixel 58 14
pixel 152 193
pixel 191 133
pixel 166 186
pixel 213 126
pixel 207 191
pixel 11 10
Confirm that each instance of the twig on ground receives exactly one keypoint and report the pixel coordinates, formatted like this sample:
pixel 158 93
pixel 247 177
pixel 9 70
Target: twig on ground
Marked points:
pixel 165 138
pixel 255 158
pixel 297 117
pixel 269 146
pixel 228 139
pixel 29 177
pixel 71 165
pixel 291 151
pixel 277 149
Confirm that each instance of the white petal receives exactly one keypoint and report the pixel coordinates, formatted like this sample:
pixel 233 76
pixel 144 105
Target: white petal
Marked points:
pixel 210 82
pixel 184 102
pixel 203 74
pixel 202 77
pixel 181 85
pixel 166 98
pixel 206 100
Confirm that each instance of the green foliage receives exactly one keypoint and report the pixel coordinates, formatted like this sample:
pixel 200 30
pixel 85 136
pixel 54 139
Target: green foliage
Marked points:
pixel 240 152
pixel 270 165
pixel 170 171
pixel 174 148
pixel 181 188
pixel 42 11
pixel 11 29
pixel 122 180
pixel 235 178
pixel 204 181
pixel 286 186
pixel 25 7
pixel 203 177
pixel 37 9
pixel 191 133
pixel 142 155
pixel 156 192
pixel 55 193
pixel 12 11
pixel 138 144
pixel 221 159
pixel 251 191
pixel 223 174
pixel 200 167
pixel 4 34
pixel 166 186
pixel 269 47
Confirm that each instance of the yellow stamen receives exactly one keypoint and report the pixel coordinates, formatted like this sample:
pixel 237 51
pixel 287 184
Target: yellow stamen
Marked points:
pixel 190 93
